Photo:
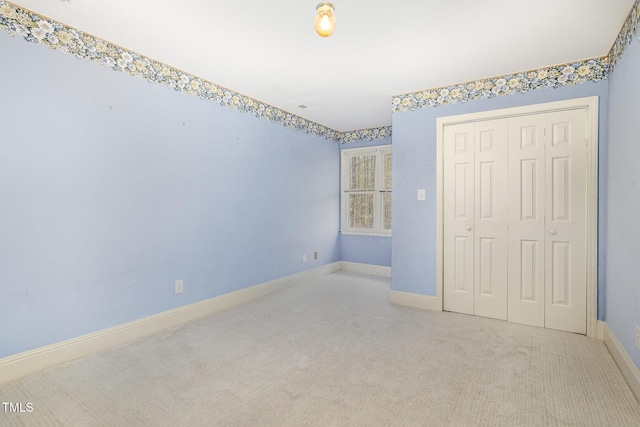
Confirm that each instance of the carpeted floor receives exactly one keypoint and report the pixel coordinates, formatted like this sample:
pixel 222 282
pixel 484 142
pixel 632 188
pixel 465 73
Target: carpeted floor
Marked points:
pixel 334 352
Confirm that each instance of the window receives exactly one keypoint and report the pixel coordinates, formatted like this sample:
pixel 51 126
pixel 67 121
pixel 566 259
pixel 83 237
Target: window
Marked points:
pixel 366 190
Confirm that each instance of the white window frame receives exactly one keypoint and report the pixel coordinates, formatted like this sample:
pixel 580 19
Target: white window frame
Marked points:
pixel 378 226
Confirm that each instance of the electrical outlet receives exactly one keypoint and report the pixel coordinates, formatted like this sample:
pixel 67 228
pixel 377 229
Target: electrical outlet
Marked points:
pixel 315 255
pixel 638 337
pixel 179 286
pixel 304 257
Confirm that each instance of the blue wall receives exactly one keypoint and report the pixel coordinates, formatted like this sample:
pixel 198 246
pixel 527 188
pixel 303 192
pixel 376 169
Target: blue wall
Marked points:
pixel 414 167
pixel 374 250
pixel 113 188
pixel 623 190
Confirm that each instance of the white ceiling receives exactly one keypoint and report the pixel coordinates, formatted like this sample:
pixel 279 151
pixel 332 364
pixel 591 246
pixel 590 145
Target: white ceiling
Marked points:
pixel 269 50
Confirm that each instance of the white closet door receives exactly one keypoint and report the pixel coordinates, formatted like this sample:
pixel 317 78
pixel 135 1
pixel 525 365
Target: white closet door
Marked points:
pixel 459 218
pixel 547 220
pixel 490 237
pixel 526 222
pixel 565 290
pixel 515 215
pixel 514 219
pixel 475 234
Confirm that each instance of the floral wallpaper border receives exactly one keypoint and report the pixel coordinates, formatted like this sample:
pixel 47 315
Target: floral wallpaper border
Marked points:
pixel 526 81
pixel 553 77
pixel 624 39
pixel 39 29
pixel 362 135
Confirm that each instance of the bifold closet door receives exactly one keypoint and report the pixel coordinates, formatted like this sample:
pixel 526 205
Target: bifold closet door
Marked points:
pixel 514 219
pixel 475 235
pixel 547 220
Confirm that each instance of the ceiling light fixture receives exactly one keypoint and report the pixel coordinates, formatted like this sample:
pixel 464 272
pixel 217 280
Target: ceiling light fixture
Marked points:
pixel 325 21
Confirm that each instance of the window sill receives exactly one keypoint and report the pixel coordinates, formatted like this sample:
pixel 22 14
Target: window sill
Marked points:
pixel 365 233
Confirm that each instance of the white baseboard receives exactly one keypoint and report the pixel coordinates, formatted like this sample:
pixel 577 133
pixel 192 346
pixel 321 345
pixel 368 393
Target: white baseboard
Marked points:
pixel 600 330
pixel 22 364
pixel 424 302
pixel 627 367
pixel 374 270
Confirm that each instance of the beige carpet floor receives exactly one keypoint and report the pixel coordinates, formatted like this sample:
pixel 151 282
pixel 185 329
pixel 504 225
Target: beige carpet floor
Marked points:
pixel 334 352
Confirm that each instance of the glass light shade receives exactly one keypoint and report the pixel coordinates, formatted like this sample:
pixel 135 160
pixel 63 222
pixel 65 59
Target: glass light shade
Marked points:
pixel 325 21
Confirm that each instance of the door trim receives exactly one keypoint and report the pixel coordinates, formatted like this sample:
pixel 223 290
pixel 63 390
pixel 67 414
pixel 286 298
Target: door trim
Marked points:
pixel 590 104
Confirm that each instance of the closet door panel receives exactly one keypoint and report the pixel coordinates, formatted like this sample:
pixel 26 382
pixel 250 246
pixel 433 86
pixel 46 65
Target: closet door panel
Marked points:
pixel 526 221
pixel 490 239
pixel 565 292
pixel 459 208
